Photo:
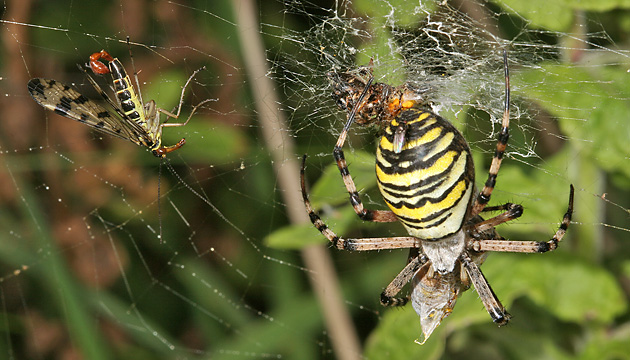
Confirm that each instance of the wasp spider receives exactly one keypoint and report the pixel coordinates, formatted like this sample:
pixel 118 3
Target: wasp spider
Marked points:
pixel 425 173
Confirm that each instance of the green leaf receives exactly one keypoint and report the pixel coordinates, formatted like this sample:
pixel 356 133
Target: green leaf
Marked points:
pixel 329 189
pixel 380 47
pixel 552 15
pixel 599 123
pixel 544 207
pixel 605 347
pixel 302 235
pixel 596 5
pixel 396 334
pixel 294 237
pixel 557 15
pixel 208 142
pixel 165 88
pixel 571 289
pixel 404 12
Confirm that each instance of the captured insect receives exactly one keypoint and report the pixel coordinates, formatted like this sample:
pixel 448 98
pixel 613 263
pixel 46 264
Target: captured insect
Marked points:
pixel 425 173
pixel 131 119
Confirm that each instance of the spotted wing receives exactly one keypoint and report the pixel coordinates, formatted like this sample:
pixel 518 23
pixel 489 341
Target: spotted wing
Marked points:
pixel 65 101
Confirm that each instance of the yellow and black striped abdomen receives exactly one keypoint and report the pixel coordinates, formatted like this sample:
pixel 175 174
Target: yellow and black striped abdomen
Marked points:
pixel 127 97
pixel 429 182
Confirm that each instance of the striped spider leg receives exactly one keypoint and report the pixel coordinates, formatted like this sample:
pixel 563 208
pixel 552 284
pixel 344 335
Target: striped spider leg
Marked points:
pixel 348 89
pixel 367 103
pixel 483 197
pixel 367 244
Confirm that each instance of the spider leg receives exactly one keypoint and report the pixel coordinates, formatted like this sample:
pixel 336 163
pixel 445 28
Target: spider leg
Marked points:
pixel 361 244
pixel 527 246
pixel 388 296
pixel 504 207
pixel 355 200
pixel 490 301
pixel 512 212
pixel 484 196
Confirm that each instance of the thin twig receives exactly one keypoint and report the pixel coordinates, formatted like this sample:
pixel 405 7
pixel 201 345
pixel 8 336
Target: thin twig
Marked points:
pixel 275 133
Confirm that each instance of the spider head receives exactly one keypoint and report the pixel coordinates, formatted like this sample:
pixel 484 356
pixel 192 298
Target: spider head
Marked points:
pixel 348 89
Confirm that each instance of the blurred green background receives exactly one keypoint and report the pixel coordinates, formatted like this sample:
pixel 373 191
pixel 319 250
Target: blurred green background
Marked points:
pixel 86 276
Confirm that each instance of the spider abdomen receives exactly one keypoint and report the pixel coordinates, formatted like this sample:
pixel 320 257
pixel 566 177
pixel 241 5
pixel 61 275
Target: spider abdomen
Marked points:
pixel 428 180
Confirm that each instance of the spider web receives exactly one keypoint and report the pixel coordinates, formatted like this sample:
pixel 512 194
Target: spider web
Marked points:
pixel 95 264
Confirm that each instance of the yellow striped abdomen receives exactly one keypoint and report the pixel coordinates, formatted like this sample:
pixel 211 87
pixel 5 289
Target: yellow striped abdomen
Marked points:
pixel 127 97
pixel 428 184
pixel 145 116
